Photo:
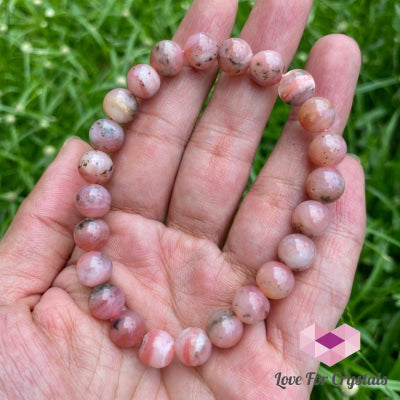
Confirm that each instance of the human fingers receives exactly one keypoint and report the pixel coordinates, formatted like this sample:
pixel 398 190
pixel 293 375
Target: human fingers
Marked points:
pixel 265 213
pixel 39 240
pixel 156 139
pixel 218 159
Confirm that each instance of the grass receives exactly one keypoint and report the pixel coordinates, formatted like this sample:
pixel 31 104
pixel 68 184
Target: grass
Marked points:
pixel 57 63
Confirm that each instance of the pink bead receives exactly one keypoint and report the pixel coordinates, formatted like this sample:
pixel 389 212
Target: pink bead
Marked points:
pixel 224 328
pixel 296 87
pixel 250 305
pixel 316 114
pixel 297 251
pixel 128 329
pixel 93 268
pixel 275 280
pixel 167 58
pixel 95 166
pixel 234 56
pixel 325 184
pixel 201 51
pixel 106 135
pixel 93 201
pixel 311 218
pixel 157 349
pixel 143 81
pixel 91 234
pixel 193 347
pixel 266 68
pixel 106 301
pixel 327 150
pixel 120 105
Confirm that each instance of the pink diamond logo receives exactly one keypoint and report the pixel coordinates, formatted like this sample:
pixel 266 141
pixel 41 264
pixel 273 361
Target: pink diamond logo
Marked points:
pixel 330 347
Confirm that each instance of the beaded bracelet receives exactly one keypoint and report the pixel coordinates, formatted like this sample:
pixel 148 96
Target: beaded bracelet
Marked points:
pixel 296 252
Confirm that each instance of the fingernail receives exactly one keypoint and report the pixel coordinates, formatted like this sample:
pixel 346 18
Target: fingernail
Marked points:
pixel 68 139
pixel 355 156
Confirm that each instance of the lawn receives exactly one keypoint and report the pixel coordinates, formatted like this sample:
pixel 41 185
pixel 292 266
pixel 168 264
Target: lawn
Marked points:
pixel 58 59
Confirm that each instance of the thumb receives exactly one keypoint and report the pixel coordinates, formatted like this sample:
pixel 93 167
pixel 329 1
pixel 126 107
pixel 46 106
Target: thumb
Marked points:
pixel 39 241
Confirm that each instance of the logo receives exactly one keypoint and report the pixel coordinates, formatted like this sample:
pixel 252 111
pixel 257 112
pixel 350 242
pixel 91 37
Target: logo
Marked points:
pixel 330 347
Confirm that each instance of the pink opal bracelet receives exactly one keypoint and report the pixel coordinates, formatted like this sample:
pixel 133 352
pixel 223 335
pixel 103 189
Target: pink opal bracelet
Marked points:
pixel 296 252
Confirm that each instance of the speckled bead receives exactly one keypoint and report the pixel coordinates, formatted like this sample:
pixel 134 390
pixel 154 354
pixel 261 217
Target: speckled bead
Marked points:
pixel 93 201
pixel 327 150
pixel 266 68
pixel 296 87
pixel 120 105
pixel 143 81
pixel 325 184
pixel 167 58
pixel 201 51
pixel 234 56
pixel 297 251
pixel 311 218
pixel 316 114
pixel 106 135
pixel 193 347
pixel 275 280
pixel 95 166
pixel 93 268
pixel 250 305
pixel 106 301
pixel 157 349
pixel 91 234
pixel 128 329
pixel 224 328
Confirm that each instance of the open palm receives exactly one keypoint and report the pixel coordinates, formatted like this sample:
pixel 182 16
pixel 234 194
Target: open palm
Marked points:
pixel 179 243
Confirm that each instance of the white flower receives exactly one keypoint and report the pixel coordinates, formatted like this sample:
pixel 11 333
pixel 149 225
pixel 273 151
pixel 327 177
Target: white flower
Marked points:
pixel 3 28
pixel 120 80
pixel 349 392
pixel 37 2
pixel 49 150
pixel 20 107
pixel 9 119
pixel 26 47
pixel 49 13
pixel 65 50
pixel 11 196
pixel 126 13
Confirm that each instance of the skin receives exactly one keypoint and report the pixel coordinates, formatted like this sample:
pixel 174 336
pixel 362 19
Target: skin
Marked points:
pixel 176 274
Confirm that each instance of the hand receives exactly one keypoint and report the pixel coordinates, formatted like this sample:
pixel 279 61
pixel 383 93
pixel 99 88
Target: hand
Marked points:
pixel 175 274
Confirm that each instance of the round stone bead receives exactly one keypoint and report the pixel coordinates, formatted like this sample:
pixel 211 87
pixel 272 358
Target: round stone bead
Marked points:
pixel 224 328
pixel 157 349
pixel 296 87
pixel 234 56
pixel 201 51
pixel 275 280
pixel 327 150
pixel 311 218
pixel 297 251
pixel 325 184
pixel 106 301
pixel 266 68
pixel 143 81
pixel 95 166
pixel 193 347
pixel 128 329
pixel 250 305
pixel 316 114
pixel 106 135
pixel 91 234
pixel 167 58
pixel 120 105
pixel 93 201
pixel 93 268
